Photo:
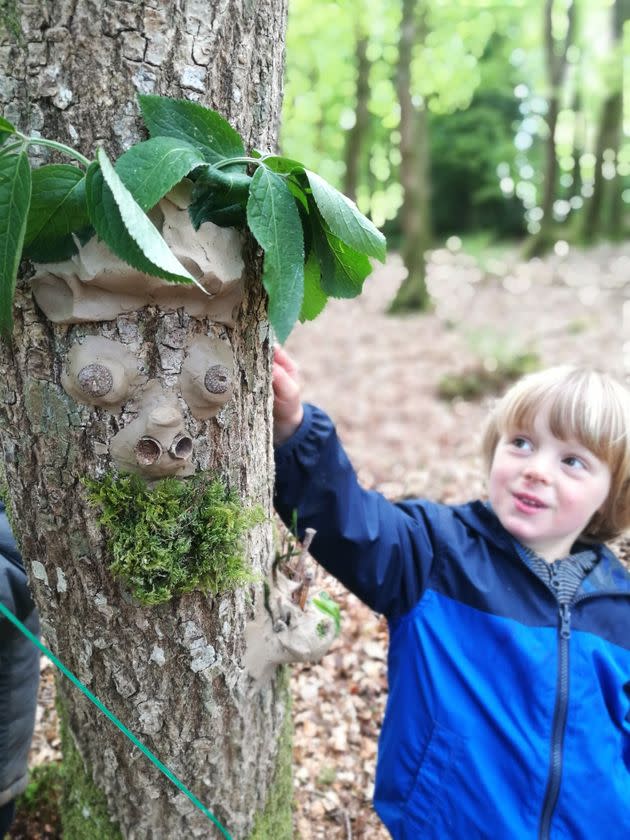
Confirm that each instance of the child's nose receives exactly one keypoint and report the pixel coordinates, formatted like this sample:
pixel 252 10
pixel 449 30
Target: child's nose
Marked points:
pixel 537 472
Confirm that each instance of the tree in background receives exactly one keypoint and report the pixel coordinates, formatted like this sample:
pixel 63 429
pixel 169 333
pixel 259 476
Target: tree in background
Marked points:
pixel 415 213
pixel 556 50
pixel 172 673
pixel 358 132
pixel 603 211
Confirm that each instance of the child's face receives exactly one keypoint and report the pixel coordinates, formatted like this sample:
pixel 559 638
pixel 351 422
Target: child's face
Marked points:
pixel 545 490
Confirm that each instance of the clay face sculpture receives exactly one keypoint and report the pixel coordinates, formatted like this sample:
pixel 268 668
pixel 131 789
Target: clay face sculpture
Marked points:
pixel 94 285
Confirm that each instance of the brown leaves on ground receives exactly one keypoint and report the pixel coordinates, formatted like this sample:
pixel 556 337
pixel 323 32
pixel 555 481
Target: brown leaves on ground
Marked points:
pixel 378 377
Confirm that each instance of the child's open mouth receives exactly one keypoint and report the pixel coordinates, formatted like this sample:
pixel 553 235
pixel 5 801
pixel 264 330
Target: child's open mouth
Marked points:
pixel 528 503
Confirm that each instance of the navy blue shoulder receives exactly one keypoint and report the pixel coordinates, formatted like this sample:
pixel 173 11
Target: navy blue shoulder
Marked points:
pixel 609 575
pixel 8 546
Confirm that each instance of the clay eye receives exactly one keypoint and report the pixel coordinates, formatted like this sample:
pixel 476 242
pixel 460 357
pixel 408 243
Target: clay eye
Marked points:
pixel 207 379
pixel 99 371
pixel 217 379
pixel 95 380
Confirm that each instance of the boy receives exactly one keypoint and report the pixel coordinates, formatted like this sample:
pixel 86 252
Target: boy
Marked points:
pixel 19 676
pixel 509 665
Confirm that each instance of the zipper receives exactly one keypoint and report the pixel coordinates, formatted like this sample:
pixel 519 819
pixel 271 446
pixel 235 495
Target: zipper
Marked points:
pixel 560 710
pixel 559 722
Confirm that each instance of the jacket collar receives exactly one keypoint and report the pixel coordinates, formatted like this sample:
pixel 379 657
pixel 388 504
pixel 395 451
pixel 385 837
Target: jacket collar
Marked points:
pixel 609 574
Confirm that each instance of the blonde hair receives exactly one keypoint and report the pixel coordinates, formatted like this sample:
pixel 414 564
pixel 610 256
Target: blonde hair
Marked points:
pixel 584 405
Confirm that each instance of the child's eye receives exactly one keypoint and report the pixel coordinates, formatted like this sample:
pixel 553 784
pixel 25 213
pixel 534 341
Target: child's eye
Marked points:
pixel 521 442
pixel 575 462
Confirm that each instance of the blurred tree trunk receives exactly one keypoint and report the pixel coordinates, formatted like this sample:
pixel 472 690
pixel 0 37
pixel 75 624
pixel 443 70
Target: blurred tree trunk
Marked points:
pixel 172 673
pixel 578 141
pixel 603 211
pixel 355 137
pixel 414 166
pixel 556 64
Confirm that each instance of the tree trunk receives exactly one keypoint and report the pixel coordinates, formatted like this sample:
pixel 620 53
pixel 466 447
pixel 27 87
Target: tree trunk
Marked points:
pixel 601 214
pixel 414 168
pixel 356 135
pixel 556 62
pixel 172 673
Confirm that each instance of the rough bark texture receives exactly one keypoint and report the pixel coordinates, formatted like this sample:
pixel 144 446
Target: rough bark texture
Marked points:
pixel 414 167
pixel 71 70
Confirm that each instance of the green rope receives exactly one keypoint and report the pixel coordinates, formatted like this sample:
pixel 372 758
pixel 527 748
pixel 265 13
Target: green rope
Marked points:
pixel 162 767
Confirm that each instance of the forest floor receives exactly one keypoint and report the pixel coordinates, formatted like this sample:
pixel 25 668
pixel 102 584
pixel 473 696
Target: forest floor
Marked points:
pixel 378 376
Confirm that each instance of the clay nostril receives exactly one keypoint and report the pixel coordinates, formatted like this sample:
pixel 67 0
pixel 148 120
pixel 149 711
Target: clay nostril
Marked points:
pixel 95 380
pixel 148 451
pixel 181 448
pixel 217 379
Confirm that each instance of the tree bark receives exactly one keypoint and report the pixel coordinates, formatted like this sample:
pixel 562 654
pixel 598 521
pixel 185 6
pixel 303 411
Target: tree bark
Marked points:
pixel 415 214
pixel 171 673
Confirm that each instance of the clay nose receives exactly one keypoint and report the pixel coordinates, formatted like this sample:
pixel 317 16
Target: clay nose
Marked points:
pixel 148 450
pixel 181 448
pixel 164 415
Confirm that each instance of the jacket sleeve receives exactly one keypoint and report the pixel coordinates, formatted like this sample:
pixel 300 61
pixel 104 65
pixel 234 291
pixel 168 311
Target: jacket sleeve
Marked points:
pixel 14 592
pixel 380 551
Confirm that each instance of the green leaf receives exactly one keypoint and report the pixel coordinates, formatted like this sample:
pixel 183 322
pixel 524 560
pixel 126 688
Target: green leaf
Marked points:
pixel 315 298
pixel 343 269
pixel 58 207
pixel 345 220
pixel 6 129
pixel 151 169
pixel 204 129
pixel 15 197
pixel 219 197
pixel 283 165
pixel 329 607
pixel 273 218
pixel 122 225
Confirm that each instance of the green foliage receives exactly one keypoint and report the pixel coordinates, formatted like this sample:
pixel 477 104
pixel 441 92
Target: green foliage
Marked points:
pixel 330 608
pixel 274 219
pixel 15 197
pixel 151 169
pixel 175 537
pixel 283 203
pixel 121 223
pixel 213 137
pixel 58 207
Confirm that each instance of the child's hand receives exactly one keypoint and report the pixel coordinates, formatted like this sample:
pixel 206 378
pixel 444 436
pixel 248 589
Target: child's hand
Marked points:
pixel 287 403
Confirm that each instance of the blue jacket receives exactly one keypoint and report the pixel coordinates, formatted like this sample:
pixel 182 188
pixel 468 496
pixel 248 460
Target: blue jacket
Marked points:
pixel 503 721
pixel 19 669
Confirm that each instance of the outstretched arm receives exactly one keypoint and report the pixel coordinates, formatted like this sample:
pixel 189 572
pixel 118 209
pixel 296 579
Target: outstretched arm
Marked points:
pixel 379 551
